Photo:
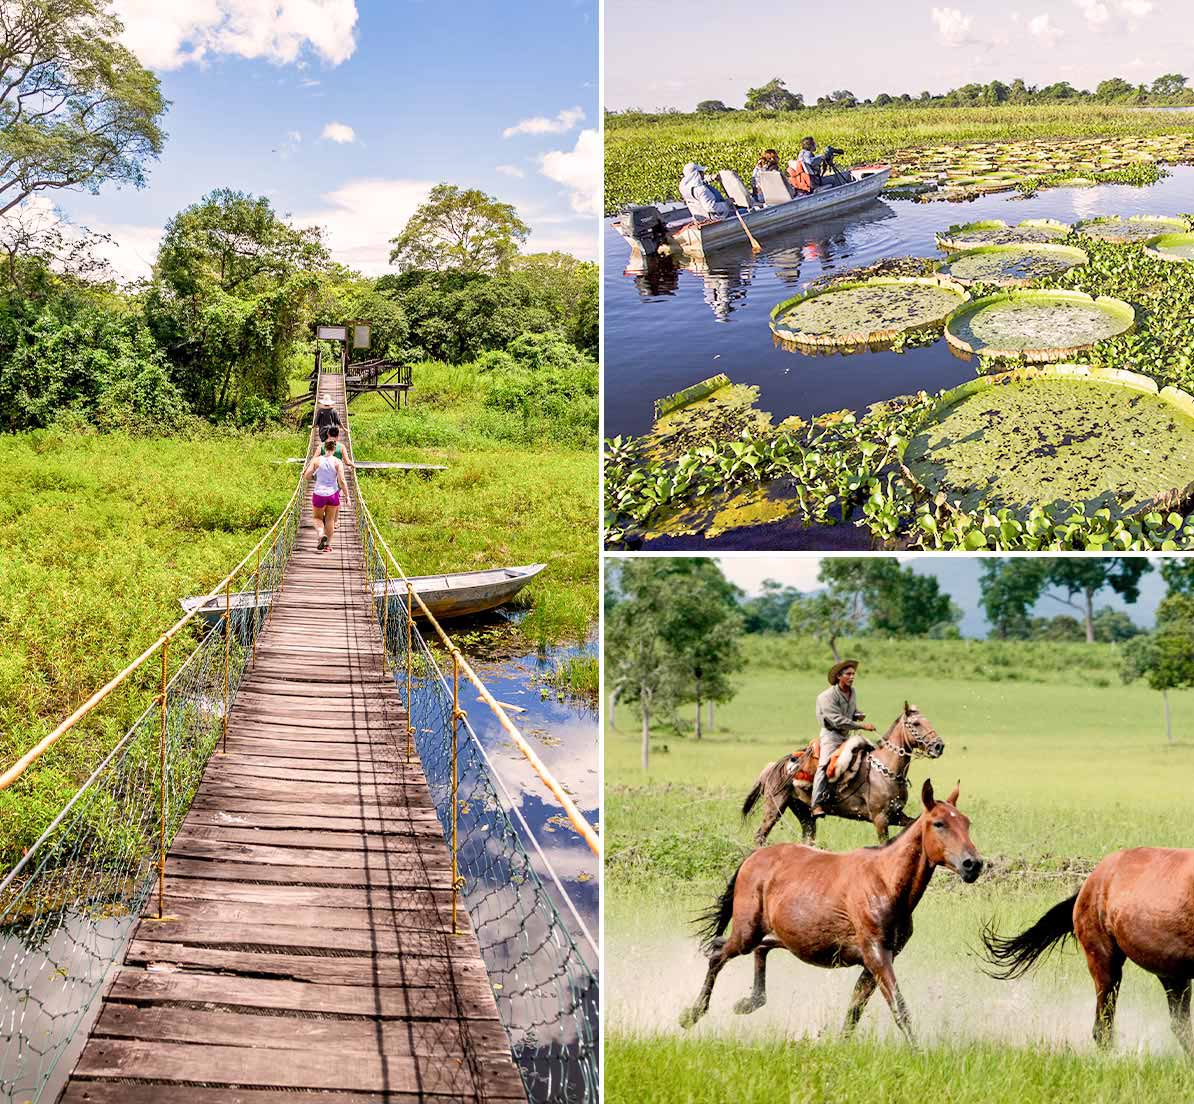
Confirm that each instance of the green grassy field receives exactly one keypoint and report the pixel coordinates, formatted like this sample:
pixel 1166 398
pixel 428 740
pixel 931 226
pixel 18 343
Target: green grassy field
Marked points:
pixel 1054 773
pixel 103 534
pixel 644 153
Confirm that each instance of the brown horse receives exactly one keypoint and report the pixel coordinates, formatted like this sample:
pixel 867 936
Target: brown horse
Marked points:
pixel 850 908
pixel 1137 905
pixel 875 792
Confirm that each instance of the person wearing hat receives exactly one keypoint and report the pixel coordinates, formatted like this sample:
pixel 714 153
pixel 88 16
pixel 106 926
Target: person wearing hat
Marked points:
pixel 326 416
pixel 704 201
pixel 838 716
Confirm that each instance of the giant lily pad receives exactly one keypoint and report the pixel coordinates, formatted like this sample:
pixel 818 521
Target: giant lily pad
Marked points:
pixel 1097 438
pixel 1134 228
pixel 1171 247
pixel 1011 265
pixel 864 313
pixel 997 232
pixel 1036 325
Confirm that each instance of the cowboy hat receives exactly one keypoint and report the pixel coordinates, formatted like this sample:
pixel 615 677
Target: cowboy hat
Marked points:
pixel 835 672
pixel 325 400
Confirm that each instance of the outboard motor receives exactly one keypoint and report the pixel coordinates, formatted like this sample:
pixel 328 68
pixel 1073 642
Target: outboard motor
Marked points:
pixel 645 226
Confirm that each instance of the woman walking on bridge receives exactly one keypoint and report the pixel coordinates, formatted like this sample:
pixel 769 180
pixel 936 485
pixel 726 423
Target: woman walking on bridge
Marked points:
pixel 328 472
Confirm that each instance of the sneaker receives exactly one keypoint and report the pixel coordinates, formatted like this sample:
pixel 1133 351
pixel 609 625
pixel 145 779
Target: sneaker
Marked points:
pixel 323 543
pixel 818 811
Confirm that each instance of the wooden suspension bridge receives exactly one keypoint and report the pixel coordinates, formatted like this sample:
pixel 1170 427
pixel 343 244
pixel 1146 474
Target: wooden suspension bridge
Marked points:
pixel 305 948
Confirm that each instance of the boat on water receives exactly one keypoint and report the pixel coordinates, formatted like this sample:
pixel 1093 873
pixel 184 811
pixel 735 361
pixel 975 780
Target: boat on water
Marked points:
pixel 460 594
pixel 672 229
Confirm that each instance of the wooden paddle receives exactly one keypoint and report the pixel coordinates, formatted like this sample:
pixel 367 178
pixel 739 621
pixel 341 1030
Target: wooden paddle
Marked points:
pixel 755 247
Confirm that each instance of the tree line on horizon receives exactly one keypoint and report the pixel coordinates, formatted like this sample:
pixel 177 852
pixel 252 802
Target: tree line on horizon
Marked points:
pixel 675 626
pixel 237 287
pixel 1167 90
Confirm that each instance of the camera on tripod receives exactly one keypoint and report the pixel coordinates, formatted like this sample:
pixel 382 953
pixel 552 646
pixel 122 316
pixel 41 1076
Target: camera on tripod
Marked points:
pixel 831 152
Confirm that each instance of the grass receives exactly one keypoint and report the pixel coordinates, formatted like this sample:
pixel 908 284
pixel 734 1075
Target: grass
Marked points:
pixel 1059 764
pixel 644 153
pixel 516 491
pixel 102 536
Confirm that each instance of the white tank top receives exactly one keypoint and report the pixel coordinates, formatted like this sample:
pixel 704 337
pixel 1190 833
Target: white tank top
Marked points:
pixel 325 477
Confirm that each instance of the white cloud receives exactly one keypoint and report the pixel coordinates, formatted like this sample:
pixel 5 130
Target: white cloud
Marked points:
pixel 510 170
pixel 1137 9
pixel 581 240
pixel 748 572
pixel 953 27
pixel 362 215
pixel 339 132
pixel 1042 27
pixel 540 124
pixel 167 35
pixel 132 250
pixel 1095 12
pixel 579 170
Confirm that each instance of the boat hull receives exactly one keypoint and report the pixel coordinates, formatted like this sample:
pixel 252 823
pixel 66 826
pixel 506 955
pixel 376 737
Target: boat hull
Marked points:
pixel 462 594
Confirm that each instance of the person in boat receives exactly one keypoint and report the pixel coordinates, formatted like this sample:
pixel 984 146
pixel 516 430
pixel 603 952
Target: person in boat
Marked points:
pixel 328 494
pixel 704 200
pixel 838 716
pixel 806 172
pixel 768 162
pixel 326 416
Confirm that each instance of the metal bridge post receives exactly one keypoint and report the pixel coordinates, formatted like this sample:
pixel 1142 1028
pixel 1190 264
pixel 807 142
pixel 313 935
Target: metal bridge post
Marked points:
pixel 227 654
pixel 162 783
pixel 410 617
pixel 457 881
pixel 385 618
pixel 256 602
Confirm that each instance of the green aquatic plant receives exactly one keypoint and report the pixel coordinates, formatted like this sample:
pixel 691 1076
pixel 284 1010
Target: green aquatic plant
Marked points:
pixel 1171 247
pixel 1011 265
pixel 690 394
pixel 968 235
pixel 858 314
pixel 1036 325
pixel 1095 438
pixel 1134 228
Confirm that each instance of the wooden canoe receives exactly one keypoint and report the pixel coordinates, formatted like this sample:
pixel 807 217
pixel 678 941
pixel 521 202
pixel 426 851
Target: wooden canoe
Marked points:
pixel 460 594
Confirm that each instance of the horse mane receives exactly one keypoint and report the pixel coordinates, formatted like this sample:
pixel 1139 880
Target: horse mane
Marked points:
pixel 896 723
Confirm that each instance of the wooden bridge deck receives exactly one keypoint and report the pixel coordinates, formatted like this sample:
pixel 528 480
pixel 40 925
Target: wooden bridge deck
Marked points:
pixel 307 952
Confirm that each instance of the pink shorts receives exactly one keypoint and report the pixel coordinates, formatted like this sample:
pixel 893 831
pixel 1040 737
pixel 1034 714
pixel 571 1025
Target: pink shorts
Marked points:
pixel 320 501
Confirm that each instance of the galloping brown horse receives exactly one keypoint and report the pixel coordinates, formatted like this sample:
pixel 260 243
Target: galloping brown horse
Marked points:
pixel 850 908
pixel 1136 905
pixel 876 792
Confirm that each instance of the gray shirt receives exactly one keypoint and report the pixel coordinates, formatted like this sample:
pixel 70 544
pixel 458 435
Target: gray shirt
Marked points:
pixel 837 712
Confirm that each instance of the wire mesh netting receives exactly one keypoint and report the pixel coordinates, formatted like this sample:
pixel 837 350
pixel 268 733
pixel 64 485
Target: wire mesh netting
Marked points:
pixel 545 987
pixel 68 906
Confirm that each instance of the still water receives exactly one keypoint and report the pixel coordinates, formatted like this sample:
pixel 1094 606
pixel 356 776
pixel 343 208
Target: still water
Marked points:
pixel 667 332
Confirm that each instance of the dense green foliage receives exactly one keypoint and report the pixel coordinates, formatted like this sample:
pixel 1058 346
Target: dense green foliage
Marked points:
pixel 644 153
pixel 76 107
pixel 459 230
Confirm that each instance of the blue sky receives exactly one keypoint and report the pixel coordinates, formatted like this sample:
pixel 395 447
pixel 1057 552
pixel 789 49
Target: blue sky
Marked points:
pixel 957 576
pixel 345 112
pixel 872 46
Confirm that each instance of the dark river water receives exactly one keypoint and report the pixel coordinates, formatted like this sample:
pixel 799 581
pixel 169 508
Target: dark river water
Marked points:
pixel 663 335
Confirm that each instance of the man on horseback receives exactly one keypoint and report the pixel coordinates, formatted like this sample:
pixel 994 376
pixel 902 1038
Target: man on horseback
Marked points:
pixel 838 716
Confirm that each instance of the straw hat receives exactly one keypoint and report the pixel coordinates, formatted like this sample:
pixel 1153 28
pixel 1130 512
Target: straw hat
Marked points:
pixel 325 400
pixel 835 672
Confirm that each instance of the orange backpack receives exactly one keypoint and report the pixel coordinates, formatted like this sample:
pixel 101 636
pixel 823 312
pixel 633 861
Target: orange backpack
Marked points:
pixel 799 178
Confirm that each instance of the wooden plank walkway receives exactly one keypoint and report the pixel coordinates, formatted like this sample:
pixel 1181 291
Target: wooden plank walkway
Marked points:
pixel 308 952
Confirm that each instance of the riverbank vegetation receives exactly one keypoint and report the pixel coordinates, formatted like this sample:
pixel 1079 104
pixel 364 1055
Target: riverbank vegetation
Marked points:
pixel 644 153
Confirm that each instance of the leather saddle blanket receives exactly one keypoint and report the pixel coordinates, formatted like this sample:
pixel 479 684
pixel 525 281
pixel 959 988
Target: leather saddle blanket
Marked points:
pixel 844 763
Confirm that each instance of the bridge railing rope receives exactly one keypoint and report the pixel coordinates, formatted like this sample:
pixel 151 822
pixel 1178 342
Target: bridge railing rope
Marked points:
pixel 68 906
pixel 545 985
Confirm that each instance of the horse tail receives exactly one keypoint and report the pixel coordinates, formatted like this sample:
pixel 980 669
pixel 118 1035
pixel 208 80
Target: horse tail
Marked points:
pixel 713 921
pixel 752 798
pixel 1015 955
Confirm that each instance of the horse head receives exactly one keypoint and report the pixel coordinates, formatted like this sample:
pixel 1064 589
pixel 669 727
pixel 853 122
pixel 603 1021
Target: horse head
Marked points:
pixel 947 839
pixel 919 734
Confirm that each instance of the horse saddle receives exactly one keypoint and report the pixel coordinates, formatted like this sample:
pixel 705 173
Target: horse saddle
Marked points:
pixel 844 763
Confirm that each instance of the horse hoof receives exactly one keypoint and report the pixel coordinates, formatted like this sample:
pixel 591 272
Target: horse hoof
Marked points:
pixel 747 1005
pixel 688 1017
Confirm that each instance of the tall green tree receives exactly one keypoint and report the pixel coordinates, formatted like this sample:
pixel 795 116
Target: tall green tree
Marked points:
pixel 768 610
pixel 1164 657
pixel 233 289
pixel 568 288
pixel 1170 84
pixel 894 600
pixel 826 617
pixel 77 110
pixel 1010 587
pixel 773 96
pixel 459 229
